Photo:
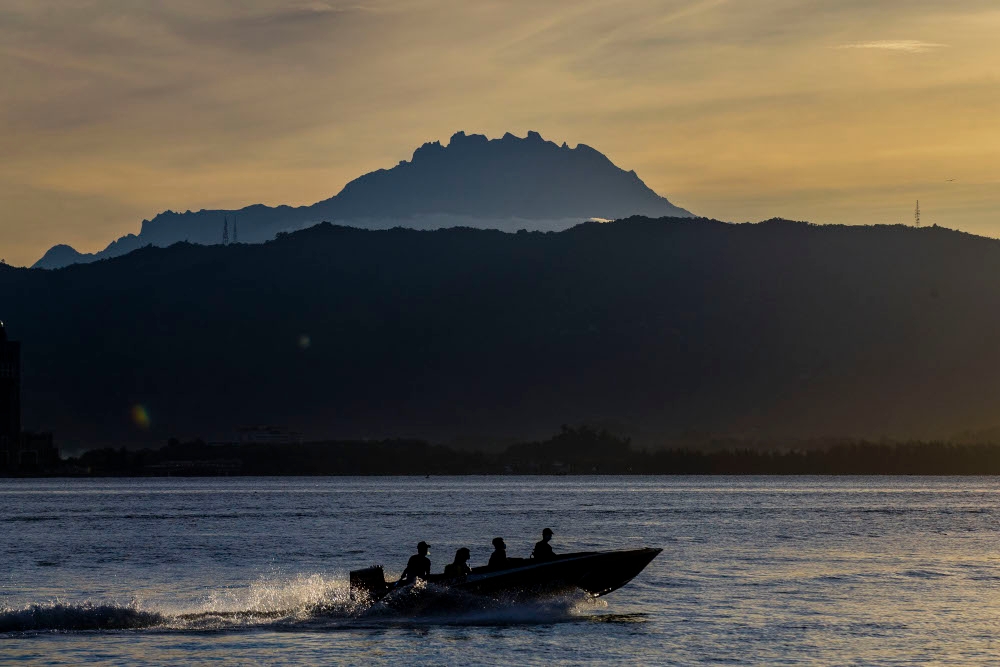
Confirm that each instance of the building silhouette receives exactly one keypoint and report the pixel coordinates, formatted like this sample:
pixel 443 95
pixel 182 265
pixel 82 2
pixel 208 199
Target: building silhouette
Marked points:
pixel 20 452
pixel 10 397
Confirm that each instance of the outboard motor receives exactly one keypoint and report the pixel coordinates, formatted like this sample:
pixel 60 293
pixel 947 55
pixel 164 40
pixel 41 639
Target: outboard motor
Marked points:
pixel 369 582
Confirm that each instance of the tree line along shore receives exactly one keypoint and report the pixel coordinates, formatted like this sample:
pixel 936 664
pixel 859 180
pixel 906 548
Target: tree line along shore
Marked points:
pixel 573 451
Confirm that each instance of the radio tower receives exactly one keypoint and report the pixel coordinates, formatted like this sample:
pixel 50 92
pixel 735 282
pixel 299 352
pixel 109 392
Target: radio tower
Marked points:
pixel 916 214
pixel 236 236
pixel 225 230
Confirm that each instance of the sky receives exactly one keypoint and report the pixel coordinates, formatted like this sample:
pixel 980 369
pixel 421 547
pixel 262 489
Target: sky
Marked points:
pixel 834 111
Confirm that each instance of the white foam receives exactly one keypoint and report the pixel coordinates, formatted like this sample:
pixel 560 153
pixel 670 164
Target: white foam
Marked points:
pixel 311 601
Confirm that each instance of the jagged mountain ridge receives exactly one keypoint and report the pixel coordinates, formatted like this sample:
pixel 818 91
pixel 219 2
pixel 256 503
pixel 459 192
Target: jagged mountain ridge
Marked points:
pixel 508 184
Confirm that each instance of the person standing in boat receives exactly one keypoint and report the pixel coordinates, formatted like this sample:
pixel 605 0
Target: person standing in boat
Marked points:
pixel 498 559
pixel 460 568
pixel 543 550
pixel 419 564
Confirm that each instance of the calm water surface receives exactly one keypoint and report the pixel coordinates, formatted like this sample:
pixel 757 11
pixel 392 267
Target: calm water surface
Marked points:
pixel 758 570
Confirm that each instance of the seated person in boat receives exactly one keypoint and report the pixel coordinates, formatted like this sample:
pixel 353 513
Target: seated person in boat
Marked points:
pixel 498 559
pixel 543 550
pixel 419 564
pixel 460 568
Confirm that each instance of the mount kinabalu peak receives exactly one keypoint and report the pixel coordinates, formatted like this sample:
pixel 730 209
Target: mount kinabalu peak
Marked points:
pixel 507 183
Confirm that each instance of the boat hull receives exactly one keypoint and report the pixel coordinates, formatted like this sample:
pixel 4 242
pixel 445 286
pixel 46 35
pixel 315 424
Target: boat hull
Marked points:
pixel 597 573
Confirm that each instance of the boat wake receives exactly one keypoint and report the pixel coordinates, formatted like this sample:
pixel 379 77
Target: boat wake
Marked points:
pixel 61 617
pixel 304 603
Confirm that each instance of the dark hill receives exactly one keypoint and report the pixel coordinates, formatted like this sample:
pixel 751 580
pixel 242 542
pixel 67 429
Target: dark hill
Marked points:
pixel 661 326
pixel 507 183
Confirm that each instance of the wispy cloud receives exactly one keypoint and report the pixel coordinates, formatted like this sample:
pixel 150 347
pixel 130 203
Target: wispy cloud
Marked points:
pixel 904 45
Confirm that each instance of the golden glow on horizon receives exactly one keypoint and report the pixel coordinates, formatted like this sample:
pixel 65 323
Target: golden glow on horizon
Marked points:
pixel 111 111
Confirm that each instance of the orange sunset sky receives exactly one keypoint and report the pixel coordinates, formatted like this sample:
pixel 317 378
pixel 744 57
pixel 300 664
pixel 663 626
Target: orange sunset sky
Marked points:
pixel 840 111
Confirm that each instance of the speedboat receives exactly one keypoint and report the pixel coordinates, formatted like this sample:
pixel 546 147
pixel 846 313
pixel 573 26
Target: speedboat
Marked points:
pixel 596 572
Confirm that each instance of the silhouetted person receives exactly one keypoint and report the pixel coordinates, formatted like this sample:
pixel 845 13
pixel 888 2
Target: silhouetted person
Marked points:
pixel 543 550
pixel 459 569
pixel 419 564
pixel 498 559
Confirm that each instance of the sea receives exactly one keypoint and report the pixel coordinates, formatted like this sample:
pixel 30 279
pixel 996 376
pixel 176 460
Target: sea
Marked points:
pixel 754 570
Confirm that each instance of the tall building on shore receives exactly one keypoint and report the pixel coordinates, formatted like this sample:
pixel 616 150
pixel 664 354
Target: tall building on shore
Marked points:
pixel 10 397
pixel 20 453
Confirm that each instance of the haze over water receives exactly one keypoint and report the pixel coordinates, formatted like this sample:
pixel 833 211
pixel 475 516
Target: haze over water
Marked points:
pixel 754 570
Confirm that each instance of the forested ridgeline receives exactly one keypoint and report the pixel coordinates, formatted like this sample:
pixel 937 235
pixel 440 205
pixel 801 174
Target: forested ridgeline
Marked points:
pixel 663 326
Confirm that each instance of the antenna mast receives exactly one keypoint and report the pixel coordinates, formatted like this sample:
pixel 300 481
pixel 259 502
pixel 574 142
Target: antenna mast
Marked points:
pixel 236 236
pixel 225 230
pixel 916 214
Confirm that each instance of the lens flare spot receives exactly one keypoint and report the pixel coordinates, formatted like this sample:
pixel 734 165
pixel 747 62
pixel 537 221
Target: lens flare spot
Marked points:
pixel 304 342
pixel 140 416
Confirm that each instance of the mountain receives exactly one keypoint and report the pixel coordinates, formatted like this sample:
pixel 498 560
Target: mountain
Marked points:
pixel 507 184
pixel 660 327
pixel 62 255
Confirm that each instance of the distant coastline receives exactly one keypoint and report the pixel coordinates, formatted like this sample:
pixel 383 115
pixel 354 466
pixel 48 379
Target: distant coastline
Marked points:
pixel 574 451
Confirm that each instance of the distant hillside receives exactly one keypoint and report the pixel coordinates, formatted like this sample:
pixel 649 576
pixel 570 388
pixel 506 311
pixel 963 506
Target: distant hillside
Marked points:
pixel 506 184
pixel 655 327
